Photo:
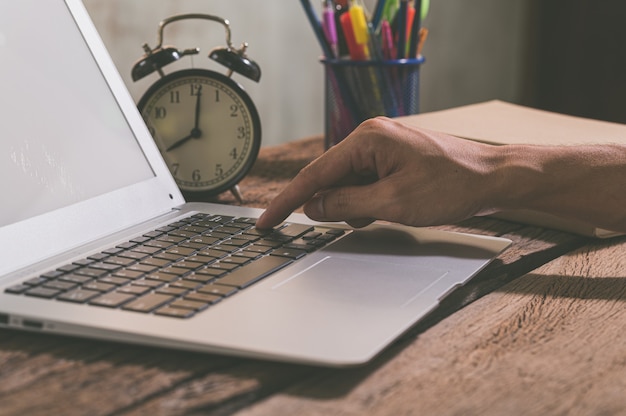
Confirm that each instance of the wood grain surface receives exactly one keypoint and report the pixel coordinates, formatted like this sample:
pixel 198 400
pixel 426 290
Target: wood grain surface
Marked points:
pixel 539 331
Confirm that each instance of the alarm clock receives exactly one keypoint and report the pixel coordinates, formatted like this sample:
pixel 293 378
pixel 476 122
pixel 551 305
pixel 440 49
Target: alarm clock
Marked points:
pixel 205 125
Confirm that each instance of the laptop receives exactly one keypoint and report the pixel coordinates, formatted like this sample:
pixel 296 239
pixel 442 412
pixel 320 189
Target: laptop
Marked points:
pixel 96 240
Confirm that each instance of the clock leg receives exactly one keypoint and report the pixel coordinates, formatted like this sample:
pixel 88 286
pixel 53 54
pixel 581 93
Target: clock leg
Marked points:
pixel 237 193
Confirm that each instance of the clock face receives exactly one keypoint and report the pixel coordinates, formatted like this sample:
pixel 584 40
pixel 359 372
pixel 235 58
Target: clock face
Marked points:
pixel 205 126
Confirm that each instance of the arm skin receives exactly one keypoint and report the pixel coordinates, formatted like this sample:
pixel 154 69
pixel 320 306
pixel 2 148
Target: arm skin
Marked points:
pixel 388 171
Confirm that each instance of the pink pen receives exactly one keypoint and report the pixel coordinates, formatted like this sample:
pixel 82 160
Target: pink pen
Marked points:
pixel 388 45
pixel 330 29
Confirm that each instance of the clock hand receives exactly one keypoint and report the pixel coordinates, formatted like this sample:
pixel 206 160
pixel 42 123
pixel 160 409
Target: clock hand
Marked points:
pixel 197 119
pixel 180 142
pixel 196 133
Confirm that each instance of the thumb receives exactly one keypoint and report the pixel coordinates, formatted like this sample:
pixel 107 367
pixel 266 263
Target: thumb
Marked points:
pixel 344 204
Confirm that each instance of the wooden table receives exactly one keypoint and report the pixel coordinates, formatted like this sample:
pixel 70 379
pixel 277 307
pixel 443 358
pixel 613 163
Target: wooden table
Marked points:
pixel 542 330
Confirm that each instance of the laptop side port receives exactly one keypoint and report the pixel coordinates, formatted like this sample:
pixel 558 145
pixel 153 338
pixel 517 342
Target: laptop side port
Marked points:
pixel 27 323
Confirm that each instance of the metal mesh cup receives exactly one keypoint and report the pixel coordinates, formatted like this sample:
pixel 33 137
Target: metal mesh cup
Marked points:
pixel 358 90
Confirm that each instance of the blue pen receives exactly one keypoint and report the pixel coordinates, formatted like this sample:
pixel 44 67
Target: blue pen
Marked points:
pixel 378 13
pixel 317 28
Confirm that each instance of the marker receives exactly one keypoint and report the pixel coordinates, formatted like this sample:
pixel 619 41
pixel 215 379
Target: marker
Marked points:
pixel 356 51
pixel 360 27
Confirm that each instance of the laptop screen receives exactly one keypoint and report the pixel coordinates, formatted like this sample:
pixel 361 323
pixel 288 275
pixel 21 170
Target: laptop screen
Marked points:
pixel 62 129
pixel 77 162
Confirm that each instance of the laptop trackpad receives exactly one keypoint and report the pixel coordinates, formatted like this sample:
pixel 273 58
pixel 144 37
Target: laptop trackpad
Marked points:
pixel 362 282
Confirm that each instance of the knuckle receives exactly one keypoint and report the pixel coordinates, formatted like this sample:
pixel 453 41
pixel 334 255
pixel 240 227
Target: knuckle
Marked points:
pixel 341 202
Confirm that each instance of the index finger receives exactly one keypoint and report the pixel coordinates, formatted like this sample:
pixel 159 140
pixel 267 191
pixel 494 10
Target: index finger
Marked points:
pixel 322 173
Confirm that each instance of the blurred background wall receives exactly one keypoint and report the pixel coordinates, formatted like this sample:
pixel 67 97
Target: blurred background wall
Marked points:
pixel 521 51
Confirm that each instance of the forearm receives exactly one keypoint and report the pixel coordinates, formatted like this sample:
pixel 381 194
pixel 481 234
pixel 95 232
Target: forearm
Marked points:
pixel 587 183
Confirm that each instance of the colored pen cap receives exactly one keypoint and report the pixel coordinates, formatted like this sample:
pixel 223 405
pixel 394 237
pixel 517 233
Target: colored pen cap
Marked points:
pixel 357 51
pixel 359 24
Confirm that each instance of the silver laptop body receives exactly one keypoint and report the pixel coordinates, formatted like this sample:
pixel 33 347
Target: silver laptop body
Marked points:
pixel 79 173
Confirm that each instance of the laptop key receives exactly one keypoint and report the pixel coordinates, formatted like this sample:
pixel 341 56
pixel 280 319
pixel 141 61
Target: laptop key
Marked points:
pixel 186 284
pixel 203 297
pixel 17 289
pixel 175 312
pixel 253 272
pixel 52 274
pixel 148 302
pixel 215 289
pixel 174 291
pixel 60 285
pixel 118 281
pixel 42 292
pixel 134 289
pixel 189 304
pixel 291 253
pixel 99 286
pixel 294 230
pixel 79 295
pixel 75 278
pixel 91 272
pixel 128 274
pixel 112 299
pixel 35 281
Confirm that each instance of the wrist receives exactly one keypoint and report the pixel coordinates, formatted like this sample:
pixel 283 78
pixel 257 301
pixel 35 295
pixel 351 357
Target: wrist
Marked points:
pixel 518 177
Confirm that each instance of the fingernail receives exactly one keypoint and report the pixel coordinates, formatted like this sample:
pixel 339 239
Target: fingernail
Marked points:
pixel 261 218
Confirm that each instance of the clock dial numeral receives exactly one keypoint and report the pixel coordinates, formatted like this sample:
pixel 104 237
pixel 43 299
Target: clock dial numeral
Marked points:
pixel 160 113
pixel 195 176
pixel 241 132
pixel 234 110
pixel 175 97
pixel 174 169
pixel 233 153
pixel 195 89
pixel 217 96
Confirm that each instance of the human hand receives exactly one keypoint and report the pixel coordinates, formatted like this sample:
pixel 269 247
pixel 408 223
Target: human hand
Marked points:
pixel 386 170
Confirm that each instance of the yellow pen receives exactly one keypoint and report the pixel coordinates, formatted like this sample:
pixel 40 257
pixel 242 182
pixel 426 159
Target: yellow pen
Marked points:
pixel 359 25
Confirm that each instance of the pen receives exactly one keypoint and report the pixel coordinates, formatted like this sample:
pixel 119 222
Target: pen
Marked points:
pixel 423 36
pixel 341 7
pixel 378 13
pixel 330 29
pixel 410 15
pixel 402 17
pixel 390 9
pixel 414 39
pixel 356 51
pixel 389 50
pixel 317 28
pixel 360 27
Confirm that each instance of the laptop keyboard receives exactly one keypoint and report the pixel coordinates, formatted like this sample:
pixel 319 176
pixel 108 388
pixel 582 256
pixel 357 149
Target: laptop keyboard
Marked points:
pixel 180 269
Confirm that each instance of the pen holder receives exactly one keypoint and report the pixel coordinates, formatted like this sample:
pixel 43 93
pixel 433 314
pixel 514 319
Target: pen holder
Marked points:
pixel 358 90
